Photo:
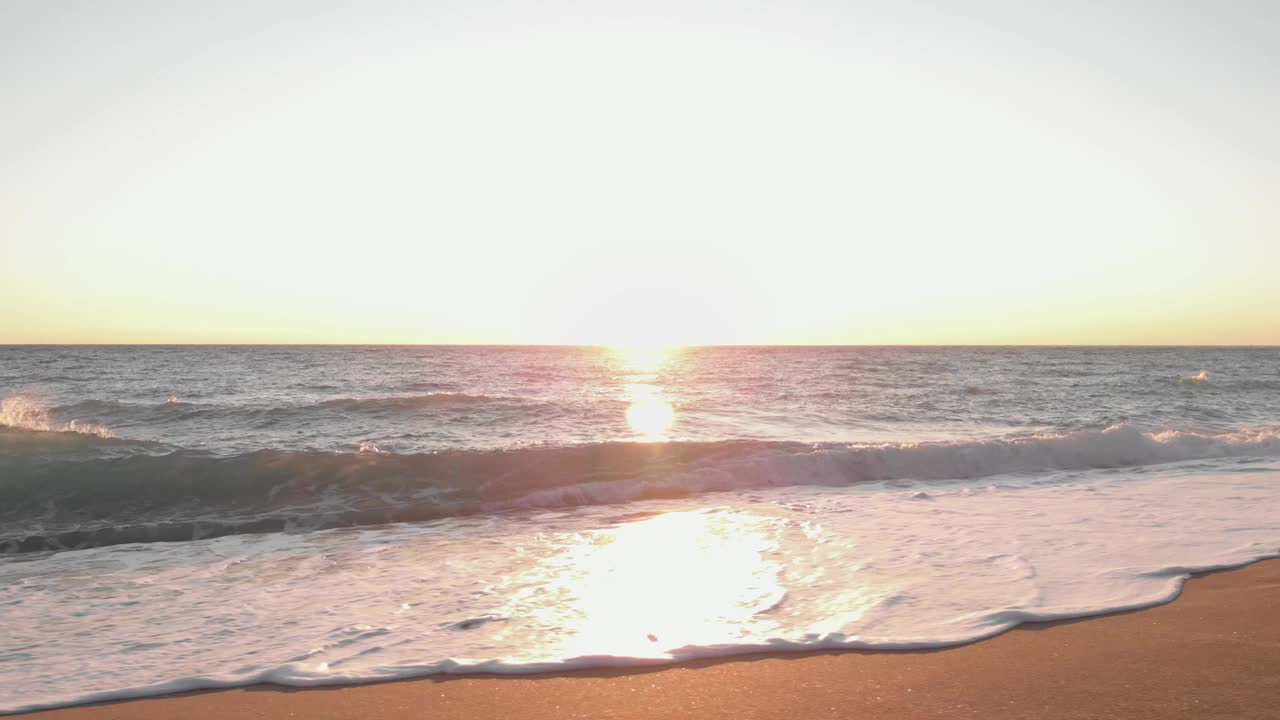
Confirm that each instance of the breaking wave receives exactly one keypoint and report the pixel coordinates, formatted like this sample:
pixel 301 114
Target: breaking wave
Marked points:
pixel 54 504
pixel 29 412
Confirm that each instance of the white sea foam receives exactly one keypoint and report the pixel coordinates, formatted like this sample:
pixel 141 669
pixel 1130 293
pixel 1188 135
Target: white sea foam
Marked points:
pixel 30 412
pixel 887 565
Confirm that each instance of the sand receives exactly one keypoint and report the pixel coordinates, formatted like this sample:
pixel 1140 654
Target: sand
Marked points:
pixel 1212 653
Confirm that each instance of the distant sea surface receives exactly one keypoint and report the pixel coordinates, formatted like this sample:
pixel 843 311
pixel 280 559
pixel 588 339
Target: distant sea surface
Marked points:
pixel 189 517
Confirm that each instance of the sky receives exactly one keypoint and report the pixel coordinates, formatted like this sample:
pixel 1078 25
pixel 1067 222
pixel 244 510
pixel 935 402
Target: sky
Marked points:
pixel 640 173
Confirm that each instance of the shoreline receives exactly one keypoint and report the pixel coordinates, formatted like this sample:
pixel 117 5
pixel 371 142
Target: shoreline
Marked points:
pixel 1214 651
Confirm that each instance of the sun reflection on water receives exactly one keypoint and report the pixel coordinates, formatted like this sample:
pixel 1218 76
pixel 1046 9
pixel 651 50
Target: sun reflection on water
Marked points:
pixel 650 417
pixel 644 588
pixel 649 414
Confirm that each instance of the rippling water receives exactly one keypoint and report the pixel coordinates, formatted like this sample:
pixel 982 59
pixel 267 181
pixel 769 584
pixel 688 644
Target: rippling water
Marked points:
pixel 391 511
pixel 415 399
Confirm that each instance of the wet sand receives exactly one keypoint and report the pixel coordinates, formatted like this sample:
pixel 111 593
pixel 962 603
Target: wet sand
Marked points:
pixel 1212 653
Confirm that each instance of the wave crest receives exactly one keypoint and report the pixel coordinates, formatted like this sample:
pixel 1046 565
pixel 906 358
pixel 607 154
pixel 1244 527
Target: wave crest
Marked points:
pixel 60 504
pixel 29 412
pixel 409 403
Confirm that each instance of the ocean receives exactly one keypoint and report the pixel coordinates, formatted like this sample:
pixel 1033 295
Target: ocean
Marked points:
pixel 182 517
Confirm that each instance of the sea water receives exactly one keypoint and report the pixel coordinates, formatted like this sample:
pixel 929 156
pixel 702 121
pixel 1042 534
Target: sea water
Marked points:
pixel 188 517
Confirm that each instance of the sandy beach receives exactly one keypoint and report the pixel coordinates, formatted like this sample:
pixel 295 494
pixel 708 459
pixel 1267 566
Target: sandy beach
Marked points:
pixel 1212 653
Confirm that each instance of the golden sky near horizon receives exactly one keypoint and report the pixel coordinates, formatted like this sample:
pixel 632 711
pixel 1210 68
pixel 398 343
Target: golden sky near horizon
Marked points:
pixel 640 173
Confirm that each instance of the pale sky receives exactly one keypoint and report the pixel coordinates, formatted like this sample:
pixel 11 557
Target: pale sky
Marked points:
pixel 640 172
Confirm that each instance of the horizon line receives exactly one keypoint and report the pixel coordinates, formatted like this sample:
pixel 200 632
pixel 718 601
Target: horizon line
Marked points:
pixel 674 345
